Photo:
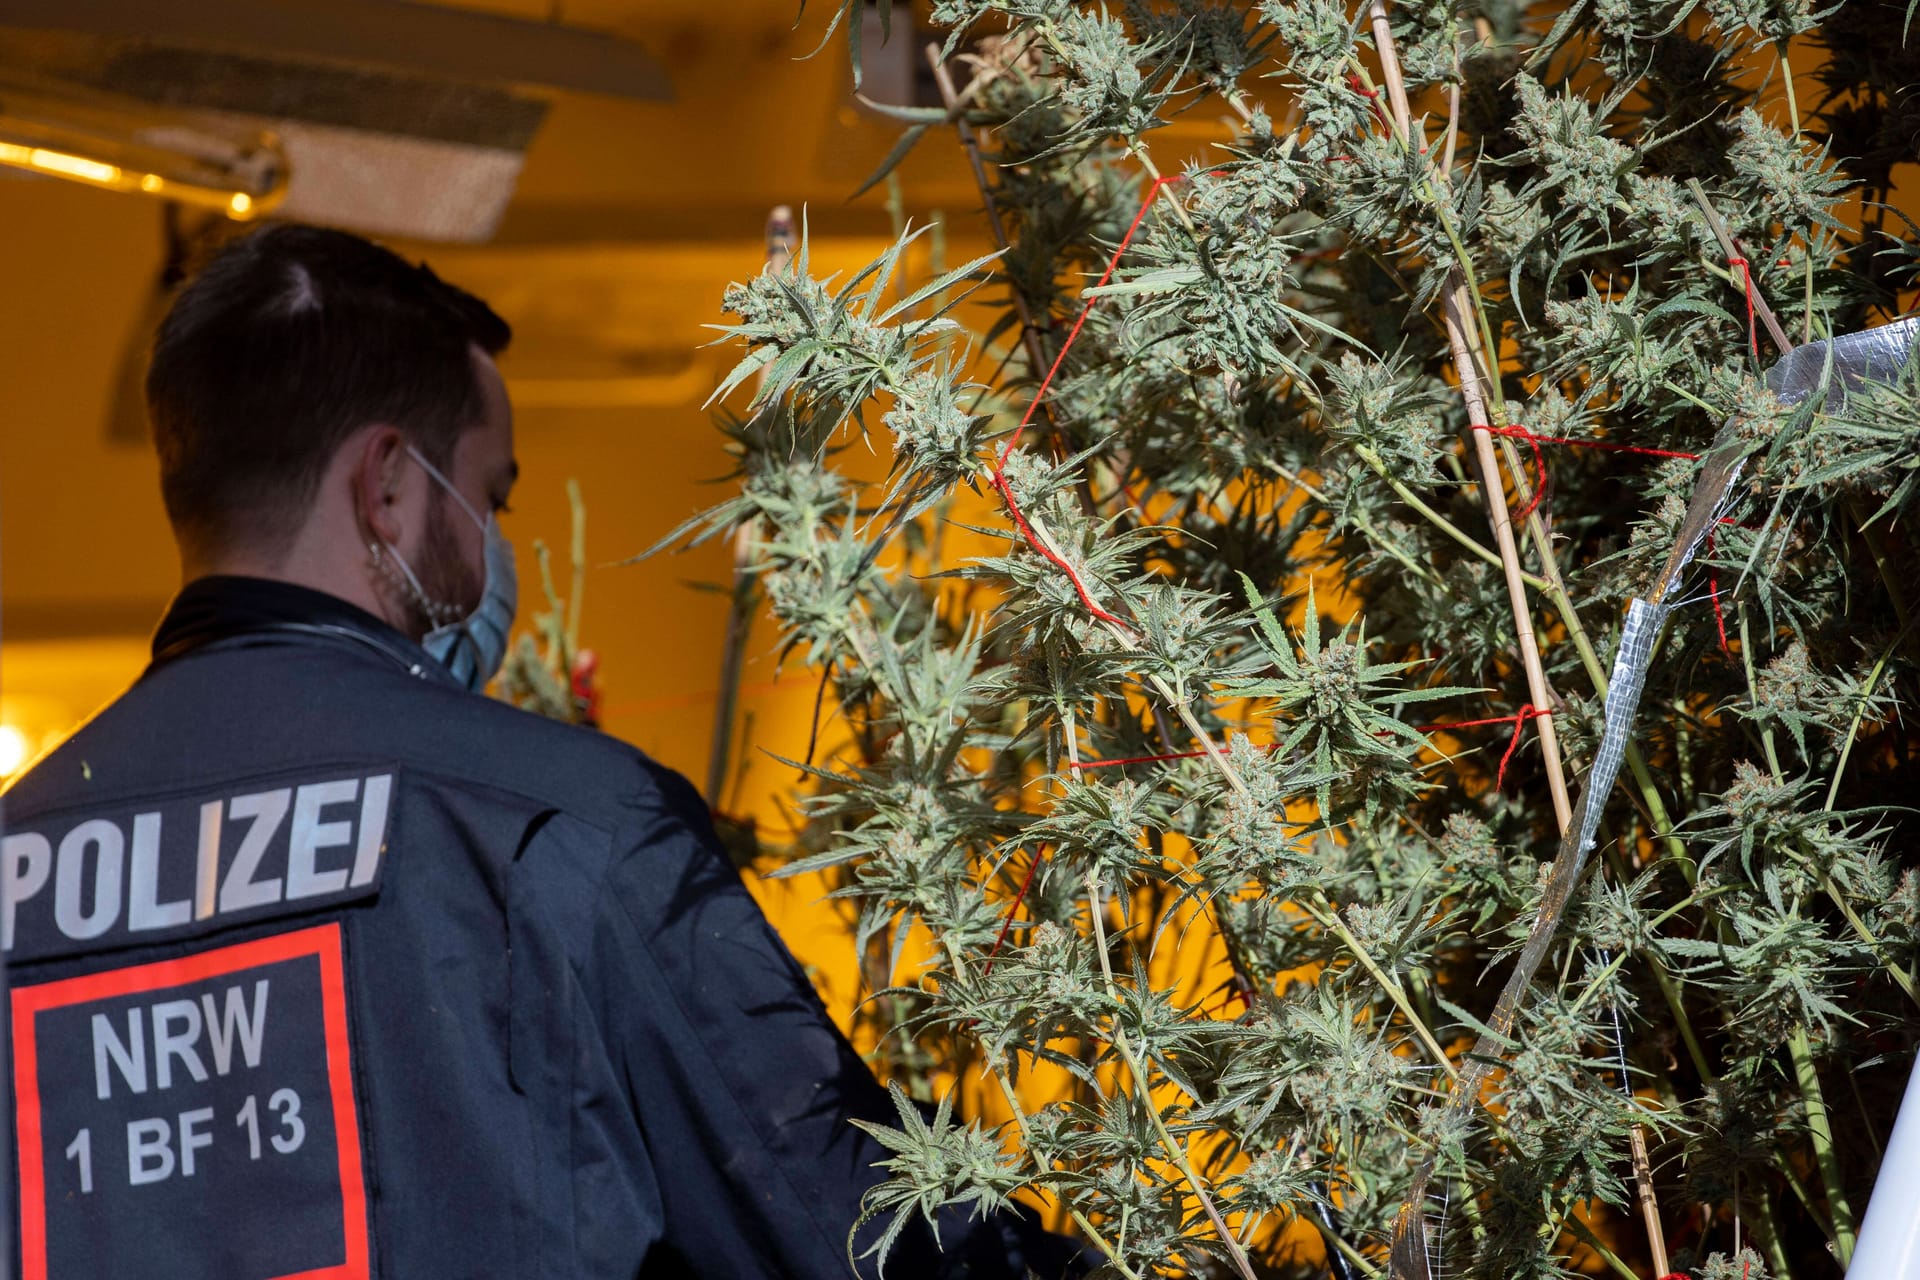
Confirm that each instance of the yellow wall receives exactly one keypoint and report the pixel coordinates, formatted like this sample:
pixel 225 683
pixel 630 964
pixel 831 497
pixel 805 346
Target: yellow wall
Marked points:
pixel 630 221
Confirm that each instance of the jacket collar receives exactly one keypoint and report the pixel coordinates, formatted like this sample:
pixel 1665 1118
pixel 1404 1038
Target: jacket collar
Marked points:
pixel 220 608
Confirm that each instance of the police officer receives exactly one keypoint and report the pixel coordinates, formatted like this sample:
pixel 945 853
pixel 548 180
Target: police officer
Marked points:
pixel 324 965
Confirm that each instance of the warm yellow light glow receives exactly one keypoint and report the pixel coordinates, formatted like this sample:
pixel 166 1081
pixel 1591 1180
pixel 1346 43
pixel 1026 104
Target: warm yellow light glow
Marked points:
pixel 125 162
pixel 13 750
pixel 71 166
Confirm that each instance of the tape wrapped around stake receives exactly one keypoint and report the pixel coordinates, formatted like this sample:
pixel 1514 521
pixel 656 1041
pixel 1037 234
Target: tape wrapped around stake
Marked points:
pixel 1838 365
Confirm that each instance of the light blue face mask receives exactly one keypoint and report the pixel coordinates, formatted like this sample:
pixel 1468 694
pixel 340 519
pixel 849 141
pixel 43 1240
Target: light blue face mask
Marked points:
pixel 473 648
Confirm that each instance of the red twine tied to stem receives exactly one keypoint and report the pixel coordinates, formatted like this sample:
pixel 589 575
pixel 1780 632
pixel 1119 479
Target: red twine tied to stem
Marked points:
pixel 1746 287
pixel 1371 95
pixel 1534 442
pixel 1519 722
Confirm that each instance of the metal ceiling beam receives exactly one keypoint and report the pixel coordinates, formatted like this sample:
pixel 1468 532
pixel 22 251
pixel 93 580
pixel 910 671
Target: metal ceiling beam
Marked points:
pixel 422 39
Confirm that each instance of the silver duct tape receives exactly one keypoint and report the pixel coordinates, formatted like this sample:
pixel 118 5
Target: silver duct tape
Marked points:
pixel 1844 363
pixel 1838 366
pixel 1629 678
pixel 1712 498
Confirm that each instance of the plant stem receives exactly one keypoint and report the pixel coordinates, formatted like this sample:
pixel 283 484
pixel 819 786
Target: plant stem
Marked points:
pixel 1768 1230
pixel 1766 731
pixel 1022 1121
pixel 1329 917
pixel 1594 1243
pixel 1391 547
pixel 1142 1081
pixel 1143 1085
pixel 1820 1129
pixel 1784 49
pixel 1671 994
pixel 1368 455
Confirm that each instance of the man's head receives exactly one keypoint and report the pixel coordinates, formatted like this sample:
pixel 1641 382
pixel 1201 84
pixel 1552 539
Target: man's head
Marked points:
pixel 292 382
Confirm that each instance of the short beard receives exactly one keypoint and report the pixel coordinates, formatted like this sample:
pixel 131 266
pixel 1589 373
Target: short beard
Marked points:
pixel 444 574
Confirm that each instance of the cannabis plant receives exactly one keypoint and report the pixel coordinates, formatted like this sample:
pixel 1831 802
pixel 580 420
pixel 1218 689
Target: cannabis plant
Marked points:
pixel 1282 549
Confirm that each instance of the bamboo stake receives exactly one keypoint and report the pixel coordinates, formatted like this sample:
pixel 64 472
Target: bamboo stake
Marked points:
pixel 1456 315
pixel 1390 69
pixel 1476 389
pixel 1488 464
pixel 1731 247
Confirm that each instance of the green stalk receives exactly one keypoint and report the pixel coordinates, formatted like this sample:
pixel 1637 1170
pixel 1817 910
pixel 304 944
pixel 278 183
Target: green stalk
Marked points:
pixel 1766 732
pixel 1768 1230
pixel 1783 49
pixel 1671 994
pixel 1798 1186
pixel 1373 460
pixel 1820 1129
pixel 1392 548
pixel 1332 923
pixel 1593 1242
pixel 1022 1121
pixel 1143 1085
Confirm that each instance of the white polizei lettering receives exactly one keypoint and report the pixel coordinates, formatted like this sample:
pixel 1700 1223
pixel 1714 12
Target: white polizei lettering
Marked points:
pixel 110 855
pixel 106 878
pixel 267 809
pixel 149 1151
pixel 234 1023
pixel 26 860
pixel 169 1044
pixel 206 866
pixel 130 1055
pixel 373 828
pixel 310 835
pixel 144 909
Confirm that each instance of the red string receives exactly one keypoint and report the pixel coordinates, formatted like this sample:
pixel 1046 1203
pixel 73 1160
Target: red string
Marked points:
pixel 999 474
pixel 1534 442
pixel 1371 95
pixel 1007 922
pixel 1746 287
pixel 1518 720
pixel 1713 586
pixel 1539 462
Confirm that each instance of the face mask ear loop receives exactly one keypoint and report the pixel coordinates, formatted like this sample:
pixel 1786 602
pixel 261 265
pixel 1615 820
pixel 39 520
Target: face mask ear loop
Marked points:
pixel 387 557
pixel 447 484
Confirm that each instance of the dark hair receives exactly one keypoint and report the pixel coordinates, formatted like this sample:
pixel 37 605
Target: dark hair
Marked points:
pixel 289 340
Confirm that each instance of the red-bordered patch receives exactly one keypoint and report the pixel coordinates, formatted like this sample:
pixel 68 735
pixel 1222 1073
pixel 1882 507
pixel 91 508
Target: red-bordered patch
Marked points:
pixel 271 1200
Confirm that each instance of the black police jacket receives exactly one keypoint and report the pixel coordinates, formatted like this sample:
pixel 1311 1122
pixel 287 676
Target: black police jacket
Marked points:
pixel 322 966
